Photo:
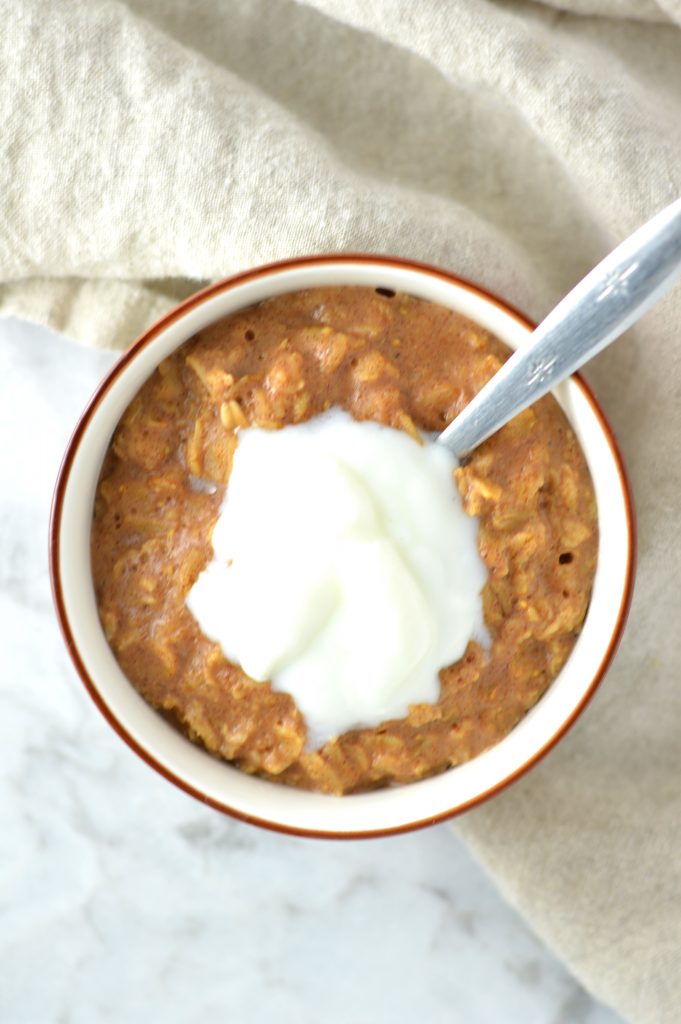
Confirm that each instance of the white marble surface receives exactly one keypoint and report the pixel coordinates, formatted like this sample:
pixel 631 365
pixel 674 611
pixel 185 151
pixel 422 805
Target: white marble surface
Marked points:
pixel 123 900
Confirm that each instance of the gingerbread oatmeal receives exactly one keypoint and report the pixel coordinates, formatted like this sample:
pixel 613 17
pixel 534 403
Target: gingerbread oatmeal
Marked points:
pixel 381 356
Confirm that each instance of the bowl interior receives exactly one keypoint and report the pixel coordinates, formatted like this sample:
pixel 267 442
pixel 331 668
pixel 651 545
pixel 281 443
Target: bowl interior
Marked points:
pixel 215 781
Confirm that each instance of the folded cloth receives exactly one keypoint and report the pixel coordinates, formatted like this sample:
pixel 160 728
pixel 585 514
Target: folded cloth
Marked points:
pixel 153 145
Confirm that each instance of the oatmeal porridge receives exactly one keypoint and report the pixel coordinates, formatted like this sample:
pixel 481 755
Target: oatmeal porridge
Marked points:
pixel 380 356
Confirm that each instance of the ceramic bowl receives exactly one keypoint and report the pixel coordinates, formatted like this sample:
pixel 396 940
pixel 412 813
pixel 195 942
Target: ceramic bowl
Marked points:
pixel 219 784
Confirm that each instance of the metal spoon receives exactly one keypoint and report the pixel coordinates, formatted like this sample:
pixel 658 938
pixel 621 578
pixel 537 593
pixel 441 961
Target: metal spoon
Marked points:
pixel 597 310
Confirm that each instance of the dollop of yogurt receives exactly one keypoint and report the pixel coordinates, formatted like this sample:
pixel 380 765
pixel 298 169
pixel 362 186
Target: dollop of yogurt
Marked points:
pixel 345 570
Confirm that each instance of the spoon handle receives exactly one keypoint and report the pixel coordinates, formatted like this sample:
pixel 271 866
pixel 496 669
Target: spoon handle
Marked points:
pixel 597 310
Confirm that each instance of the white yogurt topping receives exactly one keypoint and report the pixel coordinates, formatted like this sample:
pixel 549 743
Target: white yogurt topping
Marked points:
pixel 345 570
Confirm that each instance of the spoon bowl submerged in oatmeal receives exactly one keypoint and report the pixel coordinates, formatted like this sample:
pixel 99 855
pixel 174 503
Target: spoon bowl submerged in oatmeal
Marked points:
pixel 392 359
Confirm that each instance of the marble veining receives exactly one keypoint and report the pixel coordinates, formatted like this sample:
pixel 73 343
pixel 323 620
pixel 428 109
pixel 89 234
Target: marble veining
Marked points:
pixel 123 900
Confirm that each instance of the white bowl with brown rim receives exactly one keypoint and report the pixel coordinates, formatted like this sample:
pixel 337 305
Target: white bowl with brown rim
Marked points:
pixel 218 783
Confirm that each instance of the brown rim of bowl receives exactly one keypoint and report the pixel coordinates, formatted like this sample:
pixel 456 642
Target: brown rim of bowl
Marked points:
pixel 65 469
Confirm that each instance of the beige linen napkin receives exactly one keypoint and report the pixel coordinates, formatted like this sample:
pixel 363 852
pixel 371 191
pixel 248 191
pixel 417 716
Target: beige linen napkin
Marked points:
pixel 152 145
